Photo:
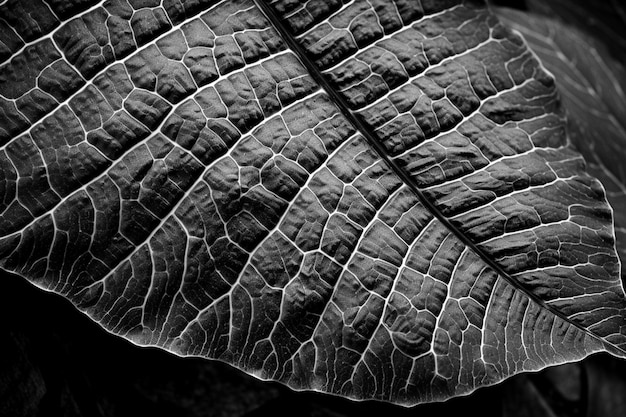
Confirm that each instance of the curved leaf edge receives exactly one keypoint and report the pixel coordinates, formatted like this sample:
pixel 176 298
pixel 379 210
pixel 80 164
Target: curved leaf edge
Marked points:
pixel 604 169
pixel 614 350
pixel 620 353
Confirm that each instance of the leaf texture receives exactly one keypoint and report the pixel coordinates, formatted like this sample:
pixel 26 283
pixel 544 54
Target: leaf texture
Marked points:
pixel 374 199
pixel 592 85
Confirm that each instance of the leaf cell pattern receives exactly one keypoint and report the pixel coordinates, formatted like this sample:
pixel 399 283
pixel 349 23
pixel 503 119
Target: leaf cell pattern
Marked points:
pixel 592 86
pixel 369 198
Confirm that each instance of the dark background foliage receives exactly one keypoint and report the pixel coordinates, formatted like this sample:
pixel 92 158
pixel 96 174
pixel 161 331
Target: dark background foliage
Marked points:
pixel 55 361
pixel 516 4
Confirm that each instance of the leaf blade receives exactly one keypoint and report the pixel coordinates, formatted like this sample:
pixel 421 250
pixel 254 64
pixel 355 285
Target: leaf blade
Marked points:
pixel 591 85
pixel 260 224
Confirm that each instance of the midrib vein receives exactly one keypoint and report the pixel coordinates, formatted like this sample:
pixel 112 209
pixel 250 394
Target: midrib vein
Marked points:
pixel 371 139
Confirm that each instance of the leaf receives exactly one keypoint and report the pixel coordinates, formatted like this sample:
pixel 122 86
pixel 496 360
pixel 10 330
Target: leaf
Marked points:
pixel 592 85
pixel 376 201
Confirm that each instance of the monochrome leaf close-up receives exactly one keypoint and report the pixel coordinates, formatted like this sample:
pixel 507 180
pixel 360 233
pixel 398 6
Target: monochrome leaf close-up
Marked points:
pixel 592 85
pixel 371 198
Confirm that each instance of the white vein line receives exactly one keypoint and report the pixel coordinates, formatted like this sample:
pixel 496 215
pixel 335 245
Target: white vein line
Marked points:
pixel 187 193
pixel 345 269
pixel 484 168
pixel 465 119
pixel 156 132
pixel 485 316
pixel 514 193
pixel 324 21
pixel 122 61
pixel 390 35
pixel 271 235
pixel 425 72
pixel 532 229
pixel 50 35
pixel 391 292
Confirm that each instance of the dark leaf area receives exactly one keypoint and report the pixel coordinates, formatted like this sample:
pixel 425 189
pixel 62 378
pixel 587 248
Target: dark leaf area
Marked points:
pixel 58 363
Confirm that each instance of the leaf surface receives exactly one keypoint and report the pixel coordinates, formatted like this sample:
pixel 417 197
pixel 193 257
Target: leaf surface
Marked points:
pixel 371 199
pixel 592 84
